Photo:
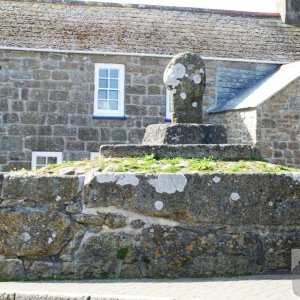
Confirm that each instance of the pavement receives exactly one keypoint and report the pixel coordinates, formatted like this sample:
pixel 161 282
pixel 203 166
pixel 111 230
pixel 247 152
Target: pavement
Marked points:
pixel 271 287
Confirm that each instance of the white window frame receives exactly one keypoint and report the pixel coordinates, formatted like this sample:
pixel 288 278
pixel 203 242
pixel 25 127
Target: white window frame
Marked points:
pixel 168 106
pixel 46 154
pixel 94 155
pixel 121 91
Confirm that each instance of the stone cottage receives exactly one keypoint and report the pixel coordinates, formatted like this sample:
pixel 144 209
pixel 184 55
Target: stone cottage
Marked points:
pixel 75 75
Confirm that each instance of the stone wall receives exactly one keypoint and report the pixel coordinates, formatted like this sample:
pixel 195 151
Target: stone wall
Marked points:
pixel 46 101
pixel 273 127
pixel 278 126
pixel 241 125
pixel 147 225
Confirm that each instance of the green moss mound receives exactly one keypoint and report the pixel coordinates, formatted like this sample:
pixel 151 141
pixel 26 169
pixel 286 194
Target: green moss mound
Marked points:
pixel 153 164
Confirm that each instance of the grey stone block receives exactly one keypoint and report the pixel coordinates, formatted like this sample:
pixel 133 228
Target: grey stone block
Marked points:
pixel 31 63
pixel 45 143
pixel 33 118
pixel 38 94
pixel 136 89
pixel 35 241
pixel 48 106
pixel 181 133
pixel 10 118
pixel 32 106
pixel 136 135
pixel 80 120
pixel 11 269
pixel 8 91
pixel 51 189
pixel 44 130
pixel 17 105
pixel 60 75
pixel 93 146
pixel 119 135
pixel 88 134
pixel 136 110
pixel 59 95
pixel 223 151
pixel 75 146
pixel 41 74
pixel 58 118
pixel 66 107
pixel 64 131
pixel 11 143
pixel 3 105
pixel 21 130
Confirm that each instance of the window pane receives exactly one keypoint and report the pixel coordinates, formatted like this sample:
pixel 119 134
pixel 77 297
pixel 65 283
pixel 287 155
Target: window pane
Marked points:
pixel 102 94
pixel 52 160
pixel 102 104
pixel 113 105
pixel 113 95
pixel 103 73
pixel 114 83
pixel 40 160
pixel 114 73
pixel 103 83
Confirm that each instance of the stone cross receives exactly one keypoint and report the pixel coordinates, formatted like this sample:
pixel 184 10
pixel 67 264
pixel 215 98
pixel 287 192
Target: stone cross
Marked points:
pixel 185 78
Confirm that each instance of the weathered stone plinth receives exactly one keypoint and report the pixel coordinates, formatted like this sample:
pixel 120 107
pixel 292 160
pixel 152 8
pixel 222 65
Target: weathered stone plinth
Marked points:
pixel 145 225
pixel 223 151
pixel 184 133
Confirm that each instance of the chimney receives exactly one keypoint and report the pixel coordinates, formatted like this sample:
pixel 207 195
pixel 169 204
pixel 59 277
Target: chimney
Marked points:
pixel 289 11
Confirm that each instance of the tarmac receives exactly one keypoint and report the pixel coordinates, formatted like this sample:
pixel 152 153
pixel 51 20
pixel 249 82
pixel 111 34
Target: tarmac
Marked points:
pixel 271 287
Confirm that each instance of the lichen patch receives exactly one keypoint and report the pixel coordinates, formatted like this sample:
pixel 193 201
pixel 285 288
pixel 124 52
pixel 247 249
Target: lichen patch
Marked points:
pixel 106 177
pixel 216 179
pixel 159 205
pixel 174 73
pixel 127 179
pixel 235 196
pixel 183 96
pixel 169 183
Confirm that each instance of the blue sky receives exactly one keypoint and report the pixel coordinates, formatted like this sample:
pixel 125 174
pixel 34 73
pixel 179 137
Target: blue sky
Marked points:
pixel 242 5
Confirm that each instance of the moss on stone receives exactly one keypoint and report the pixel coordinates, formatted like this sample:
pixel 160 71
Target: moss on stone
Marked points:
pixel 153 164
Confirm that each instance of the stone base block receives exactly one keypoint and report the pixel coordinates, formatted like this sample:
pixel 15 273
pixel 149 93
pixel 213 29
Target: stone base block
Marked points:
pixel 224 151
pixel 184 133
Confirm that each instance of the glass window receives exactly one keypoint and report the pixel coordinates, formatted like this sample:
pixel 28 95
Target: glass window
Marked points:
pixel 109 90
pixel 43 159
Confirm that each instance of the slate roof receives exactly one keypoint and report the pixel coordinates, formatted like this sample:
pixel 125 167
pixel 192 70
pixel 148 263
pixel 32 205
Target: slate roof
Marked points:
pixel 263 90
pixel 156 30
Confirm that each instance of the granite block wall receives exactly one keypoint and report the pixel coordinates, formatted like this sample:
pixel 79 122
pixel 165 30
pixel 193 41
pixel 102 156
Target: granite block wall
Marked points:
pixel 46 101
pixel 273 127
pixel 278 126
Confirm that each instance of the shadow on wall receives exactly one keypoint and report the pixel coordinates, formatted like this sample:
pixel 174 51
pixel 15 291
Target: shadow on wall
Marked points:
pixel 240 125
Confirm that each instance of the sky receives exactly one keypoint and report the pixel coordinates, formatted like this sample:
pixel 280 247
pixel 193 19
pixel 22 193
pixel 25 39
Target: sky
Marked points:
pixel 240 5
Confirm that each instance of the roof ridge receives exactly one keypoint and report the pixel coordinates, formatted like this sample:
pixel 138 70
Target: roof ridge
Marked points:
pixel 158 7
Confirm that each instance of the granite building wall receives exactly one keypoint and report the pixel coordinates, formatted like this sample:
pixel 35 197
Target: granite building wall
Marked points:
pixel 46 101
pixel 274 126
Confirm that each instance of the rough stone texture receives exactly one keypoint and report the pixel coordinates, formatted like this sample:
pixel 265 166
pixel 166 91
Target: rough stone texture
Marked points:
pixel 145 29
pixel 273 127
pixel 184 133
pixel 11 269
pixel 185 79
pixel 40 188
pixel 32 233
pixel 144 225
pixel 69 126
pixel 220 151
